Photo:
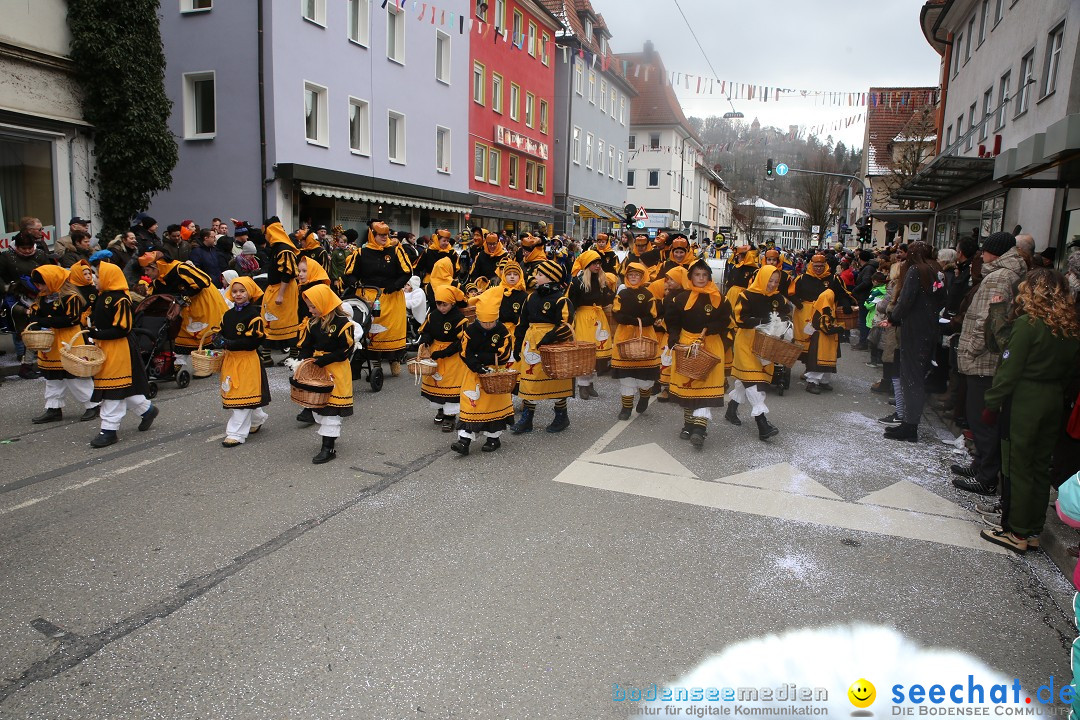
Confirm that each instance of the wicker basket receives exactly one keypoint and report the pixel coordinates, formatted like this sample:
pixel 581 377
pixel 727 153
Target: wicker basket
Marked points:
pixel 205 363
pixel 469 311
pixel 846 320
pixel 776 350
pixel 499 381
pixel 694 361
pixel 640 347
pixel 81 360
pixel 311 385
pixel 422 366
pixel 568 360
pixel 38 340
pixel 610 314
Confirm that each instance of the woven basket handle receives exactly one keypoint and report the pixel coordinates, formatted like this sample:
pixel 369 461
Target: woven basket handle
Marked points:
pixel 202 337
pixel 29 326
pixel 573 335
pixel 71 343
pixel 692 348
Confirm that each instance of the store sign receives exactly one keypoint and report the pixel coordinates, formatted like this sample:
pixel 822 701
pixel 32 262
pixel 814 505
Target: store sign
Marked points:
pixel 509 138
pixel 48 233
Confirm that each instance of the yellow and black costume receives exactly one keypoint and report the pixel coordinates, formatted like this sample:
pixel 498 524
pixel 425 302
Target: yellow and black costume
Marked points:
pixel 824 348
pixel 804 292
pixel 203 304
pixel 590 291
pixel 328 339
pixel 513 296
pixel 441 246
pixel 482 350
pixel 641 252
pixel 609 261
pixel 486 261
pixel 312 248
pixel 385 266
pixel 244 388
pixel 635 310
pixel 279 305
pixel 315 275
pixel 664 289
pixel 529 255
pixel 441 335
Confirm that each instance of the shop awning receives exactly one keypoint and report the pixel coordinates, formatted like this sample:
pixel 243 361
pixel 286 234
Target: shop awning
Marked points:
pixel 1046 159
pixel 946 175
pixel 352 195
pixel 510 209
pixel 589 212
pixel 901 217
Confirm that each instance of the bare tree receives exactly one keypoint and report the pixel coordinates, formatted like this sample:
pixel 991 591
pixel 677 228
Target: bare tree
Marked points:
pixel 820 196
pixel 746 217
pixel 911 149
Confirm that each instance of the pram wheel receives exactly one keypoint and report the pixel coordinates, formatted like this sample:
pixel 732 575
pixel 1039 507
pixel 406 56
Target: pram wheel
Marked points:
pixel 151 390
pixel 183 379
pixel 375 377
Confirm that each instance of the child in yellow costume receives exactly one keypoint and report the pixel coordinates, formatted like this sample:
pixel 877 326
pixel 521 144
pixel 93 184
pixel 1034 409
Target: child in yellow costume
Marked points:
pixel 203 304
pixel 591 289
pixel 279 305
pixel 328 338
pixel 485 345
pixel 824 348
pixel 664 290
pixel 441 335
pixel 635 311
pixel 244 389
pixel 804 292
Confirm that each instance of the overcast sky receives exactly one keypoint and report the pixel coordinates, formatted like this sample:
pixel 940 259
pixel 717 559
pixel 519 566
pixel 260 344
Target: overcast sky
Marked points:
pixel 836 45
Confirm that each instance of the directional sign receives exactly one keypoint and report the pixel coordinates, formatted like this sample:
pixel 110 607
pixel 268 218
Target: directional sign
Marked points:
pixel 639 224
pixel 641 214
pixel 781 169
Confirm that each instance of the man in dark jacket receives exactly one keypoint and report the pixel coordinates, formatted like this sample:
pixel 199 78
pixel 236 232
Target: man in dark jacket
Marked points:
pixel 174 245
pixel 206 257
pixel 864 283
pixel 145 229
pixel 16 264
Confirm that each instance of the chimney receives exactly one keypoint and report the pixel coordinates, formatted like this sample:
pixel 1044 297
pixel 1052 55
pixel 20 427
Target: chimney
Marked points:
pixel 649 49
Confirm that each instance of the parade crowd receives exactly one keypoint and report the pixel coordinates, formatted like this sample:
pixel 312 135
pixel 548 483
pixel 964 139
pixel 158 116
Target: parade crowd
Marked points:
pixel 987 325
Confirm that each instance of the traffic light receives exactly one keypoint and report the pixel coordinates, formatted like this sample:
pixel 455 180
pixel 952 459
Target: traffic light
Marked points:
pixel 769 170
pixel 628 213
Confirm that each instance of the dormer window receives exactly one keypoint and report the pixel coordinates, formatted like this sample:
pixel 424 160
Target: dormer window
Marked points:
pixel 588 29
pixel 603 45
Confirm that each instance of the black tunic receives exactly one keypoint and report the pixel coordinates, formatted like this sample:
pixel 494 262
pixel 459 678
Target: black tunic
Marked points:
pixel 485 265
pixel 427 260
pixel 546 305
pixel 110 319
pixel 701 316
pixel 336 347
pixel 387 268
pixel 57 311
pixel 242 329
pixel 597 295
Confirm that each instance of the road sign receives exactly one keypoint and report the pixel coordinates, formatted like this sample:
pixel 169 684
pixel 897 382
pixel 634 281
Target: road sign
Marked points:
pixel 815 229
pixel 781 169
pixel 641 214
pixel 639 224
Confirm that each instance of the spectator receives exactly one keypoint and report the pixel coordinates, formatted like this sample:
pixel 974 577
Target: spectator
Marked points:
pixel 145 230
pixel 174 245
pixel 122 248
pixel 247 263
pixel 206 257
pixel 16 265
pixel 79 242
pixel 864 283
pixel 65 244
pixel 1003 267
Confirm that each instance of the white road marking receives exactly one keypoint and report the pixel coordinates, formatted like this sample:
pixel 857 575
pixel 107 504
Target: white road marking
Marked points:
pixel 608 437
pixel 215 438
pixel 84 483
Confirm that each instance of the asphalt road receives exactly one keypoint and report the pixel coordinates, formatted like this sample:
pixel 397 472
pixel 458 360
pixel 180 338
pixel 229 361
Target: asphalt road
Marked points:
pixel 168 577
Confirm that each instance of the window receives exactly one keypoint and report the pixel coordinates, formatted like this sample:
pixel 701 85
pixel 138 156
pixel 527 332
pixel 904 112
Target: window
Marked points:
pixel 620 175
pixel 629 178
pixel 442 149
pixel 959 43
pixel 578 73
pixel 359 126
pixel 545 48
pixel 622 110
pixel 948 136
pixel 395 137
pixel 481 10
pixel 530 109
pixel 1053 59
pixel 315 115
pixel 592 87
pixel 518 24
pixel 988 106
pixel 971 126
pixel 999 11
pixel 600 156
pixel 967 39
pixel 654 178
pixel 1003 99
pixel 395 33
pixel 588 29
pixel 478 83
pixel 494 165
pixel 544 116
pixel 632 142
pixel 496 92
pixel 512 179
pixel 200 113
pixel 959 128
pixel 588 150
pixel 480 162
pixel 613 102
pixel 359 21
pixel 984 16
pixel 603 45
pixel 611 162
pixel 577 146
pixel 541 178
pixel 187 6
pixel 442 57
pixel 603 96
pixel 314 11
pixel 654 141
pixel 532 39
pixel 500 14
pixel 530 176
pixel 515 101
pixel 1027 78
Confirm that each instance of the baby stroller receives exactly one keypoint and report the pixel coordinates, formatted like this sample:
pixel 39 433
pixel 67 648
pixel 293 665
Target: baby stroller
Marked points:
pixel 362 315
pixel 156 324
pixel 781 378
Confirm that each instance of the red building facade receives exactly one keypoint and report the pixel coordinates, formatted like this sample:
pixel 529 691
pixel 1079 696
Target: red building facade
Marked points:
pixel 511 113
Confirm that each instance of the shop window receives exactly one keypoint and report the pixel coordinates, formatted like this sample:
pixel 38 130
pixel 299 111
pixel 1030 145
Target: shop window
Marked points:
pixel 26 181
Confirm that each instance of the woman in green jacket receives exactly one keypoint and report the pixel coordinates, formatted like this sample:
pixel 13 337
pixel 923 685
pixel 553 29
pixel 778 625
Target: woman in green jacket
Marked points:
pixel 1040 360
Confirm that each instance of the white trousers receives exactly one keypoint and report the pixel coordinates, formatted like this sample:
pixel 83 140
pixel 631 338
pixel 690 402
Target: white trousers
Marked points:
pixel 476 436
pixel 113 411
pixel 586 380
pixel 703 413
pixel 449 408
pixel 329 425
pixel 81 388
pixel 241 420
pixel 817 377
pixel 629 386
pixel 753 395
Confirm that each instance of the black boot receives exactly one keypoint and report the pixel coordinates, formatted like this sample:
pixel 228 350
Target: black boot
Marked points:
pixel 765 429
pixel 906 432
pixel 90 414
pixel 104 439
pixel 491 445
pixel 642 404
pixel 525 423
pixel 305 417
pixel 327 453
pixel 28 371
pixel 448 423
pixel 461 447
pixel 561 421
pixel 697 437
pixel 439 417
pixel 687 430
pixel 50 415
pixel 624 413
pixel 732 413
pixel 265 358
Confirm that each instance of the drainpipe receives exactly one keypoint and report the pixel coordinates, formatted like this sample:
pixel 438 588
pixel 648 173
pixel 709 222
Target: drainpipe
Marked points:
pixel 71 173
pixel 262 112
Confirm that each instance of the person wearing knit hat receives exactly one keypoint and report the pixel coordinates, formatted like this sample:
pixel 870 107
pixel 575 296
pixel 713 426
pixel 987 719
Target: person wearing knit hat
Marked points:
pixel 381 265
pixel 608 259
pixel 327 337
pixel 281 298
pixel 440 339
pixel 590 291
pixel 997 244
pixel 485 346
pixel 529 255
pixel 699 315
pixel 121 383
pixel 441 246
pixel 635 311
pixel 664 289
pixel 487 259
pixel 758 305
pixel 804 292
pixel 203 305
pixel 244 388
pixel 59 307
pixel 545 319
